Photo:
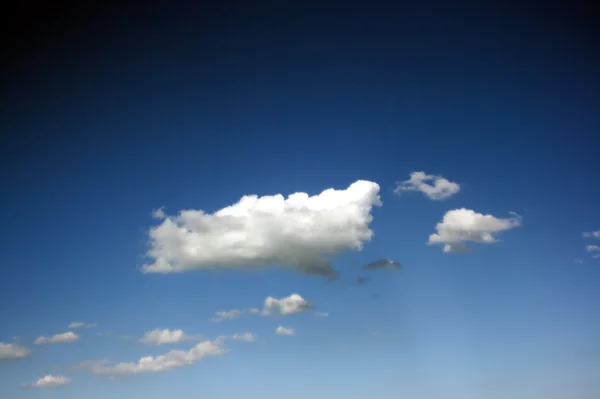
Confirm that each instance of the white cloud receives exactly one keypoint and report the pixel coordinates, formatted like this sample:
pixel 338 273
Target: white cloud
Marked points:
pixel 81 324
pixel 590 234
pixel 170 360
pixel 434 187
pixel 285 306
pixel 227 315
pixel 284 331
pixel 254 310
pixel 301 232
pixel 58 338
pixel 321 314
pixel 592 248
pixel 461 225
pixel 161 337
pixel 13 351
pixel 248 337
pixel 50 381
pixel 159 213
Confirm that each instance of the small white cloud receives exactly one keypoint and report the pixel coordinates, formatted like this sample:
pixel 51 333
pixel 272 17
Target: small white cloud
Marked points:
pixel 578 261
pixel 254 310
pixel 285 331
pixel 58 338
pixel 162 337
pixel 49 381
pixel 461 225
pixel 592 248
pixel 299 231
pixel 13 351
pixel 434 187
pixel 227 315
pixel 170 360
pixel 81 324
pixel 285 306
pixel 321 314
pixel 247 337
pixel 590 234
pixel 159 213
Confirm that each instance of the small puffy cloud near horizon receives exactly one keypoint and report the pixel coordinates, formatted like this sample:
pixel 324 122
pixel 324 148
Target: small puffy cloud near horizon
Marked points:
pixel 462 225
pixel 299 231
pixel 434 187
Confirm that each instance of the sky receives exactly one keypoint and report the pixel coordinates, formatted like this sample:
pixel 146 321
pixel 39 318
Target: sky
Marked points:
pixel 300 200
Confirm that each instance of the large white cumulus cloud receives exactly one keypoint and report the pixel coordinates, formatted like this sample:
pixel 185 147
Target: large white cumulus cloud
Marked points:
pixel 298 231
pixel 461 225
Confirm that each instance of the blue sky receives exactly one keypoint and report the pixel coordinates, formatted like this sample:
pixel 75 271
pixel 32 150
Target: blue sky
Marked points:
pixel 192 111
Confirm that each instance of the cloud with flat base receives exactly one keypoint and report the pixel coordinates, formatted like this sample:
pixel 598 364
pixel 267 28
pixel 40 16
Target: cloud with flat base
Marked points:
pixel 301 232
pixel 463 225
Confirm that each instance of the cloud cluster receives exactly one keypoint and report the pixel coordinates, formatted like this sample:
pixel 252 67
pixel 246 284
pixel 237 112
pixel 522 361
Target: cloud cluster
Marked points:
pixel 58 338
pixel 162 337
pixel 81 324
pixel 590 234
pixel 285 306
pixel 49 381
pixel 432 186
pixel 299 231
pixel 383 264
pixel 284 331
pixel 13 351
pixel 461 225
pixel 170 360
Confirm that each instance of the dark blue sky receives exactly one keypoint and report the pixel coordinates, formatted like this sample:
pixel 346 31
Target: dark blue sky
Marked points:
pixel 108 114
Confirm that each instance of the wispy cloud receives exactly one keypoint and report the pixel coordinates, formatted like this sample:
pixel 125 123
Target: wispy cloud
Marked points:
pixel 49 381
pixel 13 351
pixel 162 337
pixel 433 187
pixel 383 264
pixel 66 337
pixel 154 364
pixel 81 324
pixel 284 331
pixel 247 337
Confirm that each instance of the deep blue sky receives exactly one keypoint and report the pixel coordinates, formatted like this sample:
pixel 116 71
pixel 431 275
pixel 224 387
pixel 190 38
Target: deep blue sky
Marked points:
pixel 109 115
